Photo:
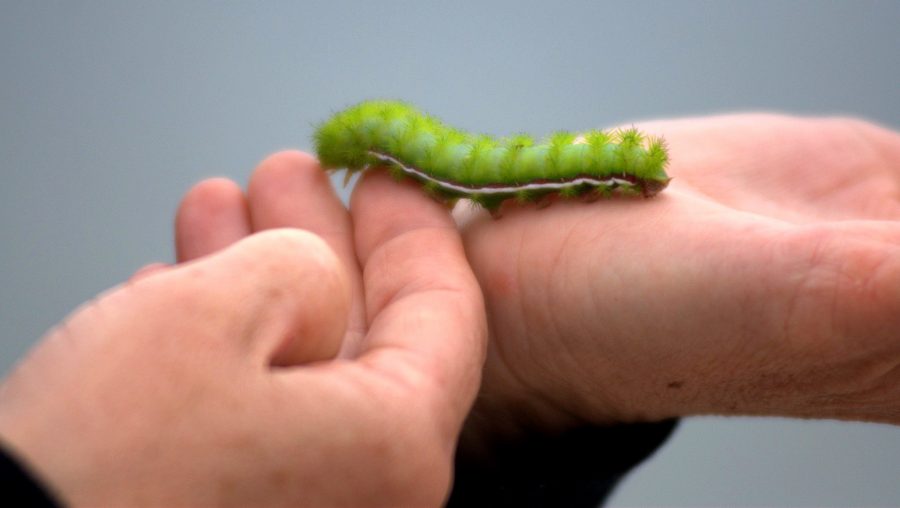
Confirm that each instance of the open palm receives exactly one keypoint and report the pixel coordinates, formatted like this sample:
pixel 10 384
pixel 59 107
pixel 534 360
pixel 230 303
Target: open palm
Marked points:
pixel 765 280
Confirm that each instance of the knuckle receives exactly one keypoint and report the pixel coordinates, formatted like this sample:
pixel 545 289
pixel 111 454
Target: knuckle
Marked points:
pixel 292 250
pixel 294 260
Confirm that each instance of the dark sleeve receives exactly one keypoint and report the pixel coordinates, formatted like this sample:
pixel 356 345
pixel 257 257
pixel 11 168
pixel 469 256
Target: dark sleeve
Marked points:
pixel 20 486
pixel 577 469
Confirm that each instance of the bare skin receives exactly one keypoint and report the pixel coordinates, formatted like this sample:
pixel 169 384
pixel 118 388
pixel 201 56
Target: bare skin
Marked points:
pixel 222 380
pixel 764 281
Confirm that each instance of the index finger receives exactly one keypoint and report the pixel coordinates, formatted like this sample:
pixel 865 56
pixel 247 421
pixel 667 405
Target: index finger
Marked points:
pixel 426 313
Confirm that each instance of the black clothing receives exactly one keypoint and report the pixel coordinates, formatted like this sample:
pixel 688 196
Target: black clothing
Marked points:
pixel 577 469
pixel 20 486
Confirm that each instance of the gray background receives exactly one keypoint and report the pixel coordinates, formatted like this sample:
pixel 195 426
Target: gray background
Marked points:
pixel 110 111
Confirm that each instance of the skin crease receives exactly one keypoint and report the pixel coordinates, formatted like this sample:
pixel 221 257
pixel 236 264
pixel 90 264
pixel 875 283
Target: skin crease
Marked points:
pixel 764 281
pixel 215 382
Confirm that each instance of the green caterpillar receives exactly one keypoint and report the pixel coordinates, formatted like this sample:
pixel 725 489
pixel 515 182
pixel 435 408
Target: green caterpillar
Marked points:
pixel 452 164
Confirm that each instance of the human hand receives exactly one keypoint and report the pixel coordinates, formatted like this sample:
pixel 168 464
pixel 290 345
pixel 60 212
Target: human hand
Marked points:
pixel 764 281
pixel 215 382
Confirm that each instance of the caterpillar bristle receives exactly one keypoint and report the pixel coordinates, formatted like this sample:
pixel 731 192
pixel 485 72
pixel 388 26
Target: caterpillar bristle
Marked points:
pixel 524 197
pixel 432 188
pixel 597 138
pixel 396 172
pixel 561 138
pixel 492 201
pixel 517 141
pixel 657 151
pixel 476 198
pixel 569 192
pixel 631 137
pixel 450 163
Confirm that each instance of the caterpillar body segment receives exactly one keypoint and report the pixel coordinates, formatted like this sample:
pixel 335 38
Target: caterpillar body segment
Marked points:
pixel 453 164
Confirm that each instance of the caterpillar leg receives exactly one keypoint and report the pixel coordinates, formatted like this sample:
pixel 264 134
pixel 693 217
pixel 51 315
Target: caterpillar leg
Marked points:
pixel 348 175
pixel 544 202
pixel 590 197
